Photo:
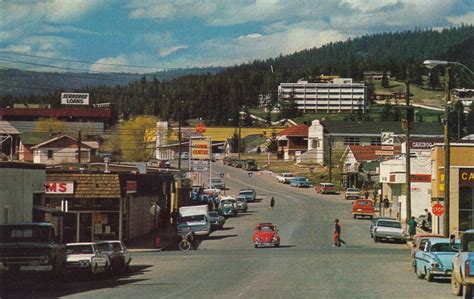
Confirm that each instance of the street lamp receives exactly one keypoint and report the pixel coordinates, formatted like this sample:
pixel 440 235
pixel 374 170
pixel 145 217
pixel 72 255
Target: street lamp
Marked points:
pixel 447 150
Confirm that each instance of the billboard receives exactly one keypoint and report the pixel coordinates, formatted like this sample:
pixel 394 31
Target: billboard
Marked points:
pixel 73 98
pixel 200 149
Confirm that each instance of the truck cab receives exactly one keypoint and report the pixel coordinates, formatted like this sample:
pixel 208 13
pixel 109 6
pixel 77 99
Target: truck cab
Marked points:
pixel 462 279
pixel 194 219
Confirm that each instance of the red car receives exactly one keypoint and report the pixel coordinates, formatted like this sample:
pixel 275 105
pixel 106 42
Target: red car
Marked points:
pixel 326 188
pixel 266 234
pixel 363 207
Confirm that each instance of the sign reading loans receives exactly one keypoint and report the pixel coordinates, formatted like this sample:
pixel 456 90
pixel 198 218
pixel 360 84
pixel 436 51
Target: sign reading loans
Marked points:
pixel 200 149
pixel 72 98
pixel 59 187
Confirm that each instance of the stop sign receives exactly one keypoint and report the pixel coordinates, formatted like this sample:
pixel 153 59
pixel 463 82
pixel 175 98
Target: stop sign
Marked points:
pixel 201 128
pixel 437 209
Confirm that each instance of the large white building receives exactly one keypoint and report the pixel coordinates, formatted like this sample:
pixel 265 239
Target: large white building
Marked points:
pixel 340 95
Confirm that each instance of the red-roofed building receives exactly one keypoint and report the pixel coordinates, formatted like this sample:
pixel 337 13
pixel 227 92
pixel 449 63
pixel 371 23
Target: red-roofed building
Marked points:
pixel 360 163
pixel 292 140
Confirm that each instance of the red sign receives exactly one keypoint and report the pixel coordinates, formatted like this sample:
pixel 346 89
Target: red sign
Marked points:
pixel 420 178
pixel 201 128
pixel 131 186
pixel 59 187
pixel 437 209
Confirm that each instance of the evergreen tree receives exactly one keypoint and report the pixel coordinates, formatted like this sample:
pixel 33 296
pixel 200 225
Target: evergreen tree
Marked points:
pixel 385 82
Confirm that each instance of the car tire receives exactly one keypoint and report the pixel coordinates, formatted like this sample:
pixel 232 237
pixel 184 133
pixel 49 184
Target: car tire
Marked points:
pixel 355 216
pixel 418 274
pixel 456 287
pixel 277 245
pixel 376 239
pixel 256 246
pixel 428 276
pixel 184 245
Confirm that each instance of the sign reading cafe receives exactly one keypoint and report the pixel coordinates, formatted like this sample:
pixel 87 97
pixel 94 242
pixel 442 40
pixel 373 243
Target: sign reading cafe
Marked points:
pixel 72 98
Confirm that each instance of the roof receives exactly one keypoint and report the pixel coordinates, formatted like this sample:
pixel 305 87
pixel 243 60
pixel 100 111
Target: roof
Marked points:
pixel 376 127
pixel 57 112
pixel 295 131
pixel 369 152
pixel 7 128
pixel 56 139
pixel 34 138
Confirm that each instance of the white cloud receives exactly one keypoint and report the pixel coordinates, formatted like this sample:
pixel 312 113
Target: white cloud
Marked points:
pixel 168 51
pixel 108 64
pixel 463 19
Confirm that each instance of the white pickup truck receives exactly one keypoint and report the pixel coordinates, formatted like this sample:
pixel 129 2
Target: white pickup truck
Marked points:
pixel 285 177
pixel 194 219
pixel 462 279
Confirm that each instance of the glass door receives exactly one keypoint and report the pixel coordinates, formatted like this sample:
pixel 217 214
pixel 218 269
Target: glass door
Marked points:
pixel 85 226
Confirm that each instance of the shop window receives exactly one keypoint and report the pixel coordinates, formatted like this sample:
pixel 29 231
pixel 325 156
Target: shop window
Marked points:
pixel 466 208
pixel 351 140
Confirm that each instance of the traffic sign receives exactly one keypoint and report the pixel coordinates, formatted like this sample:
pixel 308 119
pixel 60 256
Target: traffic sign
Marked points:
pixel 200 128
pixel 437 209
pixel 250 174
pixel 221 174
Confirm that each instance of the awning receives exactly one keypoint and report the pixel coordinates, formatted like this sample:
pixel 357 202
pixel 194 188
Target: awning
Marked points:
pixel 48 210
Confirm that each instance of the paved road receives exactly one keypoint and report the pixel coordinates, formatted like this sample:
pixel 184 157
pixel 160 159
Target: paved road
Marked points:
pixel 227 265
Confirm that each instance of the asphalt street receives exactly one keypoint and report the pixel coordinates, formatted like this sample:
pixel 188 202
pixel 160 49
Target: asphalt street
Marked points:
pixel 226 264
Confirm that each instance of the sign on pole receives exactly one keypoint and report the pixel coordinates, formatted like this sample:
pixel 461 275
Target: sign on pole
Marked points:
pixel 387 138
pixel 200 149
pixel 74 98
pixel 437 209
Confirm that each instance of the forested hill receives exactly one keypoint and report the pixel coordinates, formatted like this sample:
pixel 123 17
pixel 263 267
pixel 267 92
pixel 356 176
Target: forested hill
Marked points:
pixel 219 97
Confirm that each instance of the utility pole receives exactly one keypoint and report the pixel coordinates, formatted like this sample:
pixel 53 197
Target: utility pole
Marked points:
pixel 408 121
pixel 240 135
pixel 447 153
pixel 79 146
pixel 330 158
pixel 179 134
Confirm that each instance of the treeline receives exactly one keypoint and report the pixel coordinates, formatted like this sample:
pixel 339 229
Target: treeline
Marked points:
pixel 218 98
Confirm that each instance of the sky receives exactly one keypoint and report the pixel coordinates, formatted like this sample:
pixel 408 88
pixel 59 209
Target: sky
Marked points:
pixel 150 35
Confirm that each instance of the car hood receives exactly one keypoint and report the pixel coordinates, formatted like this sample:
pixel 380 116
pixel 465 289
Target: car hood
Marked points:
pixel 79 257
pixel 265 236
pixel 393 230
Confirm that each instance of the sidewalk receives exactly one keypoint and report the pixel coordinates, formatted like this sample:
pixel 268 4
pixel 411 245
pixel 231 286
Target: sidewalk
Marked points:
pixel 146 243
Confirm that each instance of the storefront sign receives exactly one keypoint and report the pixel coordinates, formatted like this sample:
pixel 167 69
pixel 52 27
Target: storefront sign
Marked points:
pixel 131 186
pixel 384 153
pixel 420 178
pixel 200 165
pixel 59 187
pixel 200 149
pixel 466 177
pixel 73 98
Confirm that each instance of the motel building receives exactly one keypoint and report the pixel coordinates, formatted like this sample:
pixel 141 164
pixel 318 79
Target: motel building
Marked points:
pixel 461 186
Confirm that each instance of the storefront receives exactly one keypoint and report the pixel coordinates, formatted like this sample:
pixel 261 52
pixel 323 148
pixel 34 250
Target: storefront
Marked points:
pixel 100 206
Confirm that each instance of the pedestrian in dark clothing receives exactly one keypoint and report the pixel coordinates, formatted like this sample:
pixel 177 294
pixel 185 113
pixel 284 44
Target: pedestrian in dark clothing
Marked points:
pixel 337 234
pixel 412 227
pixel 174 217
pixel 386 203
pixel 272 203
pixel 429 218
pixel 366 194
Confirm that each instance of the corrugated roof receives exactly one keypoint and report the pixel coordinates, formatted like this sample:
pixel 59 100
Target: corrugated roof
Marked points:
pixel 375 127
pixel 295 131
pixel 369 152
pixel 7 128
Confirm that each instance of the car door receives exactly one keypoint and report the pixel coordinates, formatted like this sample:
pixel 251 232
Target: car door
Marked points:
pixel 426 257
pixel 419 257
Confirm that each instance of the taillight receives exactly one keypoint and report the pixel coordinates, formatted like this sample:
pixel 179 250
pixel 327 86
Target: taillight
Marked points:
pixel 467 268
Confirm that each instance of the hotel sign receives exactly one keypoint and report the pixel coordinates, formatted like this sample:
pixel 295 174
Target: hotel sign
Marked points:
pixel 466 177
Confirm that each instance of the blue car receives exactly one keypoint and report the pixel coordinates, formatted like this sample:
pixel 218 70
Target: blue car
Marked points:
pixel 434 258
pixel 249 194
pixel 300 181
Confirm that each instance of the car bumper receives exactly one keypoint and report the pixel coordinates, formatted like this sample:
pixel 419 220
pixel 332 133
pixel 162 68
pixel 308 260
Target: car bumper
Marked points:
pixel 267 243
pixel 390 237
pixel 39 268
pixel 441 272
pixel 363 213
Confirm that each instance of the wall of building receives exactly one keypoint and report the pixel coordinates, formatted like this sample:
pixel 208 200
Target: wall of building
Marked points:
pixel 141 221
pixel 60 155
pixel 18 185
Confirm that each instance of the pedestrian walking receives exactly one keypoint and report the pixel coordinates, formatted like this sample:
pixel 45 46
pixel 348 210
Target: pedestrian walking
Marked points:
pixel 272 203
pixel 337 234
pixel 429 218
pixel 386 202
pixel 412 227
pixel 366 194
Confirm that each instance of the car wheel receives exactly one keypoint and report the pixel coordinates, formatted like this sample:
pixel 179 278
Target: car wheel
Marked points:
pixel 256 246
pixel 456 287
pixel 429 277
pixel 184 245
pixel 418 274
pixel 355 216
pixel 127 267
pixel 376 239
pixel 277 245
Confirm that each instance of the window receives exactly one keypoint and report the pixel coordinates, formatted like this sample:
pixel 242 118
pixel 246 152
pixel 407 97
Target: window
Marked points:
pixel 375 141
pixel 351 140
pixel 50 154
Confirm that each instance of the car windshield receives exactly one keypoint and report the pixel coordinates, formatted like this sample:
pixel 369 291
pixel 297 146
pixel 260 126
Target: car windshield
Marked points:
pixel 116 245
pixel 193 218
pixel 468 242
pixel 443 247
pixel 266 228
pixel 216 180
pixel 11 234
pixel 103 246
pixel 389 224
pixel 327 185
pixel 246 192
pixel 352 190
pixel 363 202
pixel 79 249
pixel 213 214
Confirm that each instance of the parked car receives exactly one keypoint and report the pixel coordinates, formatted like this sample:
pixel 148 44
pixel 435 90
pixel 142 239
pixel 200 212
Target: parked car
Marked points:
pixel 120 247
pixel 266 234
pixel 217 183
pixel 228 161
pixel 352 193
pixel 238 163
pixel 250 165
pixel 116 257
pixel 373 223
pixel 241 203
pixel 300 181
pixel 462 278
pixel 418 242
pixel 435 258
pixel 217 221
pixel 249 194
pixel 363 207
pixel 285 177
pixel 86 257
pixel 326 188
pixel 227 208
pixel 390 230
